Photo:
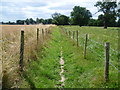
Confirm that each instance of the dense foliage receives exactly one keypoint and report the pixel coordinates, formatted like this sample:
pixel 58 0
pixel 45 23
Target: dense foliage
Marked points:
pixel 110 14
pixel 60 19
pixel 80 16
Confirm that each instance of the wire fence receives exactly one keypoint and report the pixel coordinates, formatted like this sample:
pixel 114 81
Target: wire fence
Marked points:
pixel 13 53
pixel 96 48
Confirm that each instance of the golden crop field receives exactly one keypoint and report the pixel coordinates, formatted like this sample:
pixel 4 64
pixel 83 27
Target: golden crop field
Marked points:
pixel 10 49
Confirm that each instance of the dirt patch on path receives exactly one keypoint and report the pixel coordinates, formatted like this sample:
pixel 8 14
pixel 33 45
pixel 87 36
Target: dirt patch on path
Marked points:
pixel 62 70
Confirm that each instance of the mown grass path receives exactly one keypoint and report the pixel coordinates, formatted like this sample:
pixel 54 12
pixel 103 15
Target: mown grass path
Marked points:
pixel 65 67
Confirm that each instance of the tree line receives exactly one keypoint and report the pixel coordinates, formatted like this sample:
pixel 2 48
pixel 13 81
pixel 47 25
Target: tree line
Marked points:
pixel 81 16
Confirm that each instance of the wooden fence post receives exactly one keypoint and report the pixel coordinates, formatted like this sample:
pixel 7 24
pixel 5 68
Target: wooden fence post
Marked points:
pixel 21 51
pixel 43 34
pixel 49 31
pixel 46 31
pixel 73 34
pixel 66 32
pixel 85 47
pixel 69 33
pixel 37 35
pixel 77 37
pixel 107 47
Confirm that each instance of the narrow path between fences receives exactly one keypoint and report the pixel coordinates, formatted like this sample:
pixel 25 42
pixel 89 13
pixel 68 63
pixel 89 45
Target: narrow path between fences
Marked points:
pixel 60 64
pixel 48 70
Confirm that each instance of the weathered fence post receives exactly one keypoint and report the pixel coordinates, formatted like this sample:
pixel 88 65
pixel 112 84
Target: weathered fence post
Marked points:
pixel 66 32
pixel 46 31
pixel 69 33
pixel 21 51
pixel 49 31
pixel 77 37
pixel 37 35
pixel 107 47
pixel 73 34
pixel 85 47
pixel 43 34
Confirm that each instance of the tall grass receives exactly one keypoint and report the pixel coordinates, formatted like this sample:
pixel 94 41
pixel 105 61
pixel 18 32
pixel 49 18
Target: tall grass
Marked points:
pixel 11 48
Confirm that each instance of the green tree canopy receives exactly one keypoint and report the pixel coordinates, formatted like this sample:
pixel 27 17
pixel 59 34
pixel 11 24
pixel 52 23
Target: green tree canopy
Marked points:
pixel 20 22
pixel 109 10
pixel 60 19
pixel 80 16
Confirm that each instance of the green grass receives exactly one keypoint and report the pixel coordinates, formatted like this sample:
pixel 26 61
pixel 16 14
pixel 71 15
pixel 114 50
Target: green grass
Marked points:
pixel 79 72
pixel 44 72
pixel 92 69
pixel 96 41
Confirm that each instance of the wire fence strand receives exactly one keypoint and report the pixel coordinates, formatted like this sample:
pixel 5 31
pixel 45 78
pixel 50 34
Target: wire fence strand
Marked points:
pixel 82 36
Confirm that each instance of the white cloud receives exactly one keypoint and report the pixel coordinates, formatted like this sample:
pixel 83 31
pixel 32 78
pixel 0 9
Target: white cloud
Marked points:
pixel 22 9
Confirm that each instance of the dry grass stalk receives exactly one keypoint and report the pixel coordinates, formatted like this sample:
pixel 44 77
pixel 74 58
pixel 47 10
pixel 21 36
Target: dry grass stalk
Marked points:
pixel 10 41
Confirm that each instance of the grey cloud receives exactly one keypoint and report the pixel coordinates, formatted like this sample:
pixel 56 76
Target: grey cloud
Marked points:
pixel 23 4
pixel 62 7
pixel 14 10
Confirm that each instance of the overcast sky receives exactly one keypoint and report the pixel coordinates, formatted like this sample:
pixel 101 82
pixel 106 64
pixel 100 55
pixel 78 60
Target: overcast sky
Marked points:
pixel 12 10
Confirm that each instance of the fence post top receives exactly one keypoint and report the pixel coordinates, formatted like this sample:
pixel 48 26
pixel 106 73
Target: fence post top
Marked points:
pixel 107 44
pixel 22 31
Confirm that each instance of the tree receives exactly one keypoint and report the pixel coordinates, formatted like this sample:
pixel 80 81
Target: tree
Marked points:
pixel 108 8
pixel 92 22
pixel 42 21
pixel 48 21
pixel 55 17
pixel 60 19
pixel 37 20
pixel 21 22
pixel 118 23
pixel 100 21
pixel 54 21
pixel 27 21
pixel 64 20
pixel 80 16
pixel 118 14
pixel 31 21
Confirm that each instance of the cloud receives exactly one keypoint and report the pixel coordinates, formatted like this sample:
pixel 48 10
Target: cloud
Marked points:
pixel 11 11
pixel 22 9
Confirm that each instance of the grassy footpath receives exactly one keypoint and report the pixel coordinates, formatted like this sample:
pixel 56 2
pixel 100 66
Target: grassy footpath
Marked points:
pixel 44 72
pixel 79 72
